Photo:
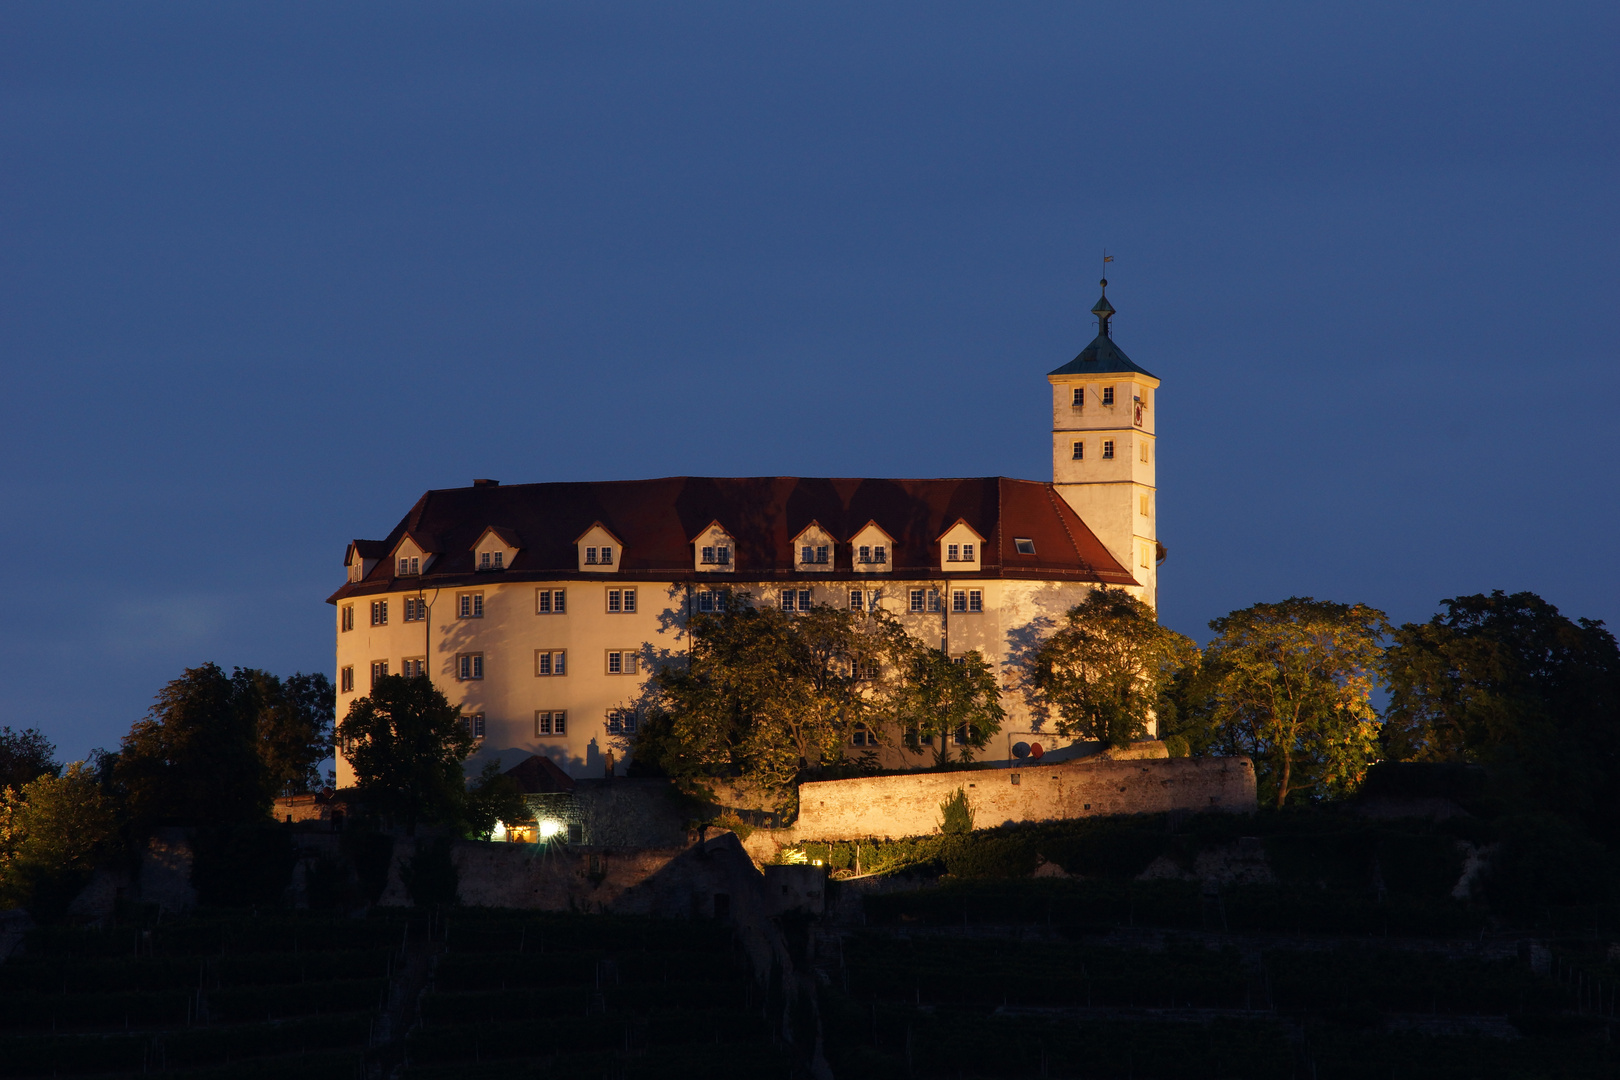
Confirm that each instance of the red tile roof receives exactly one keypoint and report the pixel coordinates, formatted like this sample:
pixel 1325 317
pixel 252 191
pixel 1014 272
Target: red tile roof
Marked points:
pixel 656 520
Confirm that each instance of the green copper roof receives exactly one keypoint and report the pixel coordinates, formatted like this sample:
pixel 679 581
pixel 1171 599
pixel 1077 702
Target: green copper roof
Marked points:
pixel 1101 357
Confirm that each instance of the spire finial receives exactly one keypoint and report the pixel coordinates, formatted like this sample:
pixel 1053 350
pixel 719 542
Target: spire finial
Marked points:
pixel 1103 310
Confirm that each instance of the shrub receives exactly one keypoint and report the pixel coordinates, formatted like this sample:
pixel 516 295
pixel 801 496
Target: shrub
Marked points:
pixel 956 815
pixel 240 866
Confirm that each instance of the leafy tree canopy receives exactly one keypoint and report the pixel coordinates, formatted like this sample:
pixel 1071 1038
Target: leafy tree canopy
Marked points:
pixel 217 748
pixel 1509 682
pixel 1292 684
pixel 25 756
pixel 406 743
pixel 1106 669
pixel 764 699
pixel 52 830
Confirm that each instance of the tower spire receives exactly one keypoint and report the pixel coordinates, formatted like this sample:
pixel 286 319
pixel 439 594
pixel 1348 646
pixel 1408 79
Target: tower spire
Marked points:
pixel 1103 310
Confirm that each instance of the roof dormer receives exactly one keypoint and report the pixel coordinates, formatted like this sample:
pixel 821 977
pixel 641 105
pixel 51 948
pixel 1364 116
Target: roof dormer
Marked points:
pixel 961 548
pixel 813 550
pixel 496 549
pixel 600 552
pixel 409 558
pixel 714 551
pixel 872 550
pixel 361 556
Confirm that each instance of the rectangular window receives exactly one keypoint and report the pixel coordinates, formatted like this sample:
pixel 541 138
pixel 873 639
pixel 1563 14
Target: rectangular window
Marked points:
pixel 960 735
pixel 550 601
pixel 410 567
pixel 470 605
pixel 807 554
pixel 975 600
pixel 1108 449
pixel 1023 545
pixel 483 560
pixel 1079 451
pixel 959 600
pixel 967 552
pixel 551 662
pixel 856 600
pixel 880 554
pixel 473 725
pixel 722 554
pixel 1078 400
pixel 412 667
pixel 607 555
pixel 347 621
pixel 346 680
pixel 917 597
pixel 379 613
pixel 621 662
pixel 787 599
pixel 859 736
pixel 470 666
pixel 621 721
pixel 415 608
pixel 866 669
pixel 706 556
pixel 804 599
pixel 1108 395
pixel 590 556
pixel 621 601
pixel 1143 500
pixel 551 722
pixel 864 555
pixel 953 552
pixel 705 601
pixel 379 668
pixel 1142 452
pixel 933 601
pixel 1144 561
pixel 822 552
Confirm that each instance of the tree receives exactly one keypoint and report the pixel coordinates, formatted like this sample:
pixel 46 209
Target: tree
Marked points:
pixel 25 756
pixel 294 723
pixel 495 798
pixel 1293 683
pixel 764 699
pixel 1508 682
pixel 1107 668
pixel 52 831
pixel 952 700
pixel 194 758
pixel 406 743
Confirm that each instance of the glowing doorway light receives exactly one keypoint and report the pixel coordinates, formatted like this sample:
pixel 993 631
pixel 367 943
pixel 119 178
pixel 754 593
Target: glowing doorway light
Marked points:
pixel 548 829
pixel 500 832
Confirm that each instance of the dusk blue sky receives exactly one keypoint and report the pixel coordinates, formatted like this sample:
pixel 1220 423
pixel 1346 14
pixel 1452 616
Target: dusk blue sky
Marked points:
pixel 270 271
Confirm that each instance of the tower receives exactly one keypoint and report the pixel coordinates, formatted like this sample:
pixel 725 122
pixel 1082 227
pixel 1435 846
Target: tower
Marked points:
pixel 1103 449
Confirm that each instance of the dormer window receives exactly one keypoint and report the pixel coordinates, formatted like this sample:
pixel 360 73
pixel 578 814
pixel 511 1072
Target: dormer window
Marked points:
pixel 599 549
pixel 814 554
pixel 1023 545
pixel 410 567
pixel 716 555
pixel 491 560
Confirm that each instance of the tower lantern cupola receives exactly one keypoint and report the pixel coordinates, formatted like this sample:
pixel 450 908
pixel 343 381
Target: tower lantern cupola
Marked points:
pixel 1104 311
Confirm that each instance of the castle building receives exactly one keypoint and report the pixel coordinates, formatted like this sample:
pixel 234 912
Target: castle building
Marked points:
pixel 541 608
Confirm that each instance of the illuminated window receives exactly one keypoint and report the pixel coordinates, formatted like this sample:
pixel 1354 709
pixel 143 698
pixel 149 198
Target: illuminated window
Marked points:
pixel 1079 451
pixel 551 662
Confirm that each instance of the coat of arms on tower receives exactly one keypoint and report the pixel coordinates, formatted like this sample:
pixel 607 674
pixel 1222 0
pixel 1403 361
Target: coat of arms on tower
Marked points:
pixel 1137 401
